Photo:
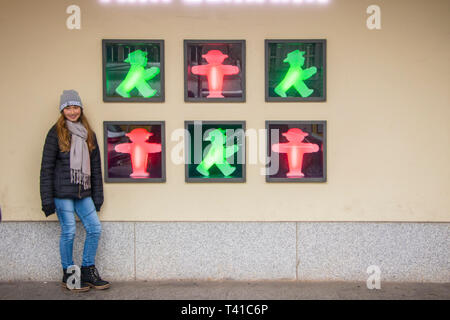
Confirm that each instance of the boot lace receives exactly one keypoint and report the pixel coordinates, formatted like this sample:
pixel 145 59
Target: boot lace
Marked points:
pixel 94 274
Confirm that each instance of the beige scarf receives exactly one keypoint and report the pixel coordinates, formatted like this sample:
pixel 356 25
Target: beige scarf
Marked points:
pixel 80 164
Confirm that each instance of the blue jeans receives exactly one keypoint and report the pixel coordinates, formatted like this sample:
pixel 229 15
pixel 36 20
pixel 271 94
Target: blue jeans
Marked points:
pixel 85 210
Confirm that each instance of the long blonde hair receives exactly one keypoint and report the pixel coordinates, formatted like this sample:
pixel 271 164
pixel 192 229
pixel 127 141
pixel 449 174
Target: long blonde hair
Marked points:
pixel 64 134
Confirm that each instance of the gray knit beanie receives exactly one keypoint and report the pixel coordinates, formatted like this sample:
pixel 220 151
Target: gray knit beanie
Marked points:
pixel 69 98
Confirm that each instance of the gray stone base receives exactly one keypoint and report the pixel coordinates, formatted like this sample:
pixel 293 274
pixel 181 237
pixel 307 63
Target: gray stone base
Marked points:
pixel 407 252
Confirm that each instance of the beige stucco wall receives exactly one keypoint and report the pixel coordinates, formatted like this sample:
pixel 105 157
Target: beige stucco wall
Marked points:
pixel 387 107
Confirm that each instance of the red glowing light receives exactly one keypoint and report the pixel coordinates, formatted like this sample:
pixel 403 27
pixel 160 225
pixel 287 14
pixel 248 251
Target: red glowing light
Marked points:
pixel 215 71
pixel 295 150
pixel 139 149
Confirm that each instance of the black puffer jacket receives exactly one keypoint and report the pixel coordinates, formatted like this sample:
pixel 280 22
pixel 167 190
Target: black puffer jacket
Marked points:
pixel 55 176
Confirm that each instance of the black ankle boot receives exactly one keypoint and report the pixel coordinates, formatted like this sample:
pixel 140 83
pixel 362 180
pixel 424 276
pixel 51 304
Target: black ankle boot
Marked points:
pixel 92 278
pixel 83 286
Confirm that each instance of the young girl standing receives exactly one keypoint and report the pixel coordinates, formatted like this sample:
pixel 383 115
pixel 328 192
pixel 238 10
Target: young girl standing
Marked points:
pixel 71 182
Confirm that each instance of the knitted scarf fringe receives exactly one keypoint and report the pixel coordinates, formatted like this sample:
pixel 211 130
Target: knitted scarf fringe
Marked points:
pixel 78 177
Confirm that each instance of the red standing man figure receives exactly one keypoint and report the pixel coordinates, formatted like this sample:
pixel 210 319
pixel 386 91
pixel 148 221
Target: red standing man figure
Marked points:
pixel 295 150
pixel 139 149
pixel 215 71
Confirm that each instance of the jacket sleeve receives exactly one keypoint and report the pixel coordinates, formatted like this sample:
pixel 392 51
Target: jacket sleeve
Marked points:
pixel 47 175
pixel 96 177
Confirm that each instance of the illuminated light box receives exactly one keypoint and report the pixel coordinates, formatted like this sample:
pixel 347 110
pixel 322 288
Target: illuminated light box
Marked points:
pixel 295 70
pixel 133 70
pixel 296 151
pixel 215 151
pixel 214 70
pixel 134 151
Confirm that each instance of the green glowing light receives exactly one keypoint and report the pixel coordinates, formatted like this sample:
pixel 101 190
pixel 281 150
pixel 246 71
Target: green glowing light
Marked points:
pixel 138 76
pixel 296 75
pixel 217 153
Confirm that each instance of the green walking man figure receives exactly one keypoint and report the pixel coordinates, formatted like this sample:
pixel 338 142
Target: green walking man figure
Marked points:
pixel 217 153
pixel 296 75
pixel 138 76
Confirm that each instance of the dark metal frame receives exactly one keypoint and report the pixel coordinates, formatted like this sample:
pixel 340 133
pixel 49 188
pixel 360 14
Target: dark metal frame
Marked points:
pixel 163 151
pixel 187 156
pixel 161 98
pixel 268 153
pixel 295 99
pixel 213 100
